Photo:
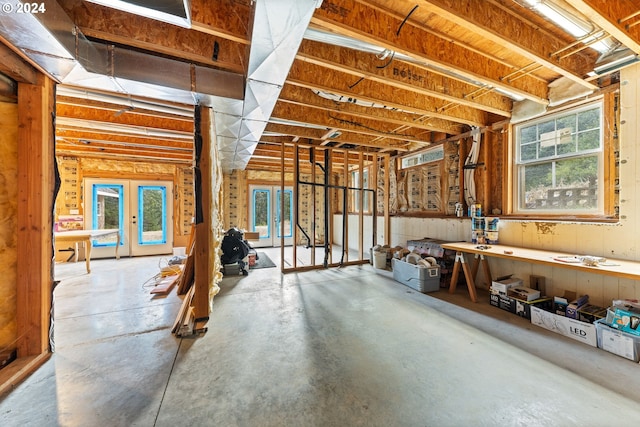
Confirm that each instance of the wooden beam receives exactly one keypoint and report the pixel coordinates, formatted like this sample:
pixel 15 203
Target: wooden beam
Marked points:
pixel 403 75
pixel 608 15
pixel 119 27
pixel 504 28
pixel 82 135
pixel 130 118
pixel 203 273
pixel 300 95
pixel 228 19
pixel 124 107
pixel 382 28
pixel 316 77
pixel 346 137
pixel 14 67
pixel 344 122
pixel 35 215
pixel 149 153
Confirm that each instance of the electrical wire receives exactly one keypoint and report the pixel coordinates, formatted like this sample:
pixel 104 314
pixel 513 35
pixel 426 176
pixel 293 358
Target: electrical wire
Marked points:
pixel 381 67
pixel 470 165
pixel 356 83
pixel 166 269
pixel 405 20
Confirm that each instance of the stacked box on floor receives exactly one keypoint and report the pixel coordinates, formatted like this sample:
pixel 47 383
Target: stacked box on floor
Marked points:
pixel 617 341
pixel 423 279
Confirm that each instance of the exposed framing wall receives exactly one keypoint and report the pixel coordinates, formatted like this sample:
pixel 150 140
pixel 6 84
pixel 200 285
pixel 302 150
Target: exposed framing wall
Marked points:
pixel 9 226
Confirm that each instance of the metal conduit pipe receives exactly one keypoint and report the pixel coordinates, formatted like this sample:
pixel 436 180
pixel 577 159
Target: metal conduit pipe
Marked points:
pixel 326 208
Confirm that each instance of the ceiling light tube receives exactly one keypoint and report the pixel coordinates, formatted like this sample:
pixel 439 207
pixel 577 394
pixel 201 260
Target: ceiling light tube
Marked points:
pixel 184 20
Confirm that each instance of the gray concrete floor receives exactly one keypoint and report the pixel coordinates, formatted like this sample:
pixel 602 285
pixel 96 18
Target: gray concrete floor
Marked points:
pixel 339 347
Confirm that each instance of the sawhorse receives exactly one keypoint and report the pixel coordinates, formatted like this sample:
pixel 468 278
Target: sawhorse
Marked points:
pixel 469 275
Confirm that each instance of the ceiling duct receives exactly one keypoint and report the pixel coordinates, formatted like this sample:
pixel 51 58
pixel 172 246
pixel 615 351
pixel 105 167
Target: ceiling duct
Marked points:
pixel 242 108
pixel 278 29
pixel 54 44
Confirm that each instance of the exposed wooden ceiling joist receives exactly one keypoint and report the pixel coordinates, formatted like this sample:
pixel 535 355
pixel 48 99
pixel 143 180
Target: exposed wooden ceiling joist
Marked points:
pixel 388 29
pixel 618 18
pixel 409 73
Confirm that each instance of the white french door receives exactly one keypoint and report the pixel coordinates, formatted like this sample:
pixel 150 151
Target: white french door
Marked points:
pixel 267 217
pixel 141 210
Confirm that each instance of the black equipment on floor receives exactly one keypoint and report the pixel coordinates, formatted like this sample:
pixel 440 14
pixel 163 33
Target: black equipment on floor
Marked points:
pixel 234 251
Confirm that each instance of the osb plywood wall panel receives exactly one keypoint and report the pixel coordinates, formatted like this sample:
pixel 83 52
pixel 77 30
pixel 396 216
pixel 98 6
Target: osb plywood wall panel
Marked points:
pixel 8 226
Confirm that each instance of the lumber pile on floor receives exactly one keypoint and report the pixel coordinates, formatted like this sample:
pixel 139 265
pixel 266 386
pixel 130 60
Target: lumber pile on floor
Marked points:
pixel 185 321
pixel 185 324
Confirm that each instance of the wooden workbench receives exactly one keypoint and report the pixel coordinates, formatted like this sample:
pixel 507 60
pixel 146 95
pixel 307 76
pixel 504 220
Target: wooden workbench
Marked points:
pixel 612 267
pixel 86 236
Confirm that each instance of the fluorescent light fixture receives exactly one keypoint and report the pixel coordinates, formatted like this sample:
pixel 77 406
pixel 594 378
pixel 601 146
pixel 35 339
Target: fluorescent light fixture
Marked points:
pixel 176 12
pixel 615 63
pixel 570 23
pixel 561 20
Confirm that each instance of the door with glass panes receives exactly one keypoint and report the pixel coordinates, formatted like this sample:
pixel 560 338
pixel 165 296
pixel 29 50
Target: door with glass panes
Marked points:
pixel 268 217
pixel 141 210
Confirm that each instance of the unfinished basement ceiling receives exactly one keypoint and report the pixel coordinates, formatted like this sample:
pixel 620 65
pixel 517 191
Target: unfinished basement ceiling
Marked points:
pixel 383 75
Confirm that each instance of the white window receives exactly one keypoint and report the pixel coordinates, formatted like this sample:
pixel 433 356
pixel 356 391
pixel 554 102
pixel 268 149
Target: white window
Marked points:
pixel 559 163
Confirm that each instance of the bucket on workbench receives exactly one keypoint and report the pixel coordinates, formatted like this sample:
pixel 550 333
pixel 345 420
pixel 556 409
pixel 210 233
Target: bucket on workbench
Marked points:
pixel 491 237
pixel 477 223
pixel 491 230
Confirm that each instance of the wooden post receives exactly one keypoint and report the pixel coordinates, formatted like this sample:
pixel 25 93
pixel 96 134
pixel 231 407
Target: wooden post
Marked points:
pixel 360 190
pixel 36 181
pixel 203 272
pixel 345 208
pixel 387 217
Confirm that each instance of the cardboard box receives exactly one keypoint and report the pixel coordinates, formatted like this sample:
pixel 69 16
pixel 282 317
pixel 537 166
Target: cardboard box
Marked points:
pixel 523 308
pixel 501 286
pixel 523 293
pixel 625 320
pixel 589 313
pixel 503 302
pixel 520 307
pixel 572 328
pixel 560 303
pixel 572 308
pixel 422 279
pixel 617 342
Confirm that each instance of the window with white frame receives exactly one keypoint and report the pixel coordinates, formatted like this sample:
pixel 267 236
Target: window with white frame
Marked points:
pixel 559 163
